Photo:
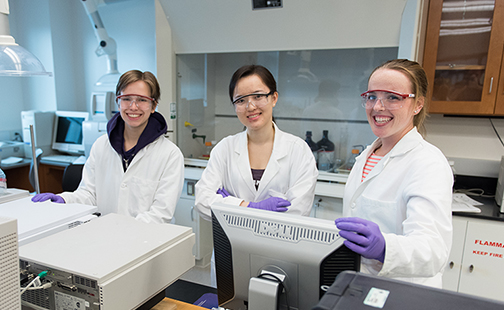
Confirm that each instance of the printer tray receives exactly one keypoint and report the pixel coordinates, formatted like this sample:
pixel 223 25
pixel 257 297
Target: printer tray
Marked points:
pixel 353 290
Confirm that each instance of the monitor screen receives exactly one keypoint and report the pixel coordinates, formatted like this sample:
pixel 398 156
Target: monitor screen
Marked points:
pixel 306 252
pixel 67 133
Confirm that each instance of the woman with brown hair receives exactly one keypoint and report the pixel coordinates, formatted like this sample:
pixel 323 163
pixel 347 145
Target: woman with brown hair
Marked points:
pixel 134 169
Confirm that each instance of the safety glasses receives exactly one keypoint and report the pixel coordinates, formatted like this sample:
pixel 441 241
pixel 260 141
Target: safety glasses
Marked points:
pixel 142 102
pixel 390 100
pixel 258 100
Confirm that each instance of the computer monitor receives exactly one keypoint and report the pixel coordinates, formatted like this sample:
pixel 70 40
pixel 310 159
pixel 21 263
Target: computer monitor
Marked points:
pixel 305 253
pixel 67 132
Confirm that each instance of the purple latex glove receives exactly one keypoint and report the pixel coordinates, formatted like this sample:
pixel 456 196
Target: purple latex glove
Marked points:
pixel 47 196
pixel 272 204
pixel 363 237
pixel 223 192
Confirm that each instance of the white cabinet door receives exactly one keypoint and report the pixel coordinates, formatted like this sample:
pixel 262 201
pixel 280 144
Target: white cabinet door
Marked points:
pixel 451 274
pixel 183 216
pixel 482 270
pixel 186 215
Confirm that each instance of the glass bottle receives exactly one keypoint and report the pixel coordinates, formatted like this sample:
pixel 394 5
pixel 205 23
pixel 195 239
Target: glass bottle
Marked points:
pixel 313 146
pixel 3 182
pixel 325 152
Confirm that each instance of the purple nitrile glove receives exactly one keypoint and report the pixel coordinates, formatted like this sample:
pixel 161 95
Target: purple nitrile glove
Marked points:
pixel 47 196
pixel 223 192
pixel 272 204
pixel 362 236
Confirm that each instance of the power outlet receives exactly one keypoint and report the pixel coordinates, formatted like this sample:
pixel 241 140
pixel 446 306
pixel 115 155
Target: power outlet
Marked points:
pixel 266 4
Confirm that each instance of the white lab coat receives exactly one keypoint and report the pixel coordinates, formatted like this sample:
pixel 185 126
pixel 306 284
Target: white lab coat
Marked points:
pixel 291 174
pixel 149 189
pixel 408 194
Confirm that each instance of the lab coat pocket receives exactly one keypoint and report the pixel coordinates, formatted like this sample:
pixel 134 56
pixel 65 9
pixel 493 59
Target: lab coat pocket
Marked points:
pixel 141 195
pixel 383 213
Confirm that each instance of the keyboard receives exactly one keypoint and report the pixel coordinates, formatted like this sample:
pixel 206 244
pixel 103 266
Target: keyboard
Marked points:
pixel 60 158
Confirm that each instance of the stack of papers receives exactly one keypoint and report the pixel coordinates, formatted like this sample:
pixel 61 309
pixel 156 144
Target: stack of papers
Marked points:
pixel 463 203
pixel 11 160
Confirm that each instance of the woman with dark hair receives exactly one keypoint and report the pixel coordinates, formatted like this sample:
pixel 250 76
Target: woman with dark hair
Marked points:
pixel 397 201
pixel 261 167
pixel 134 170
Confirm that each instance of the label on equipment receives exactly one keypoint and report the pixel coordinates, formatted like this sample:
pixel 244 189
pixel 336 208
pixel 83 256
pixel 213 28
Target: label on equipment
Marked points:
pixel 376 297
pixel 67 302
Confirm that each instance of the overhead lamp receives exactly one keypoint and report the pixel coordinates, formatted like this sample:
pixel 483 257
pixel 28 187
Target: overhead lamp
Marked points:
pixel 14 59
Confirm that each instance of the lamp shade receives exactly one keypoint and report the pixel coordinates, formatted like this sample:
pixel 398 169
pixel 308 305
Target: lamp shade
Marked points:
pixel 17 61
pixel 14 59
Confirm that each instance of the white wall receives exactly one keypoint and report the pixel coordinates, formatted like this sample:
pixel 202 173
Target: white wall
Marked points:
pixel 471 143
pixel 232 26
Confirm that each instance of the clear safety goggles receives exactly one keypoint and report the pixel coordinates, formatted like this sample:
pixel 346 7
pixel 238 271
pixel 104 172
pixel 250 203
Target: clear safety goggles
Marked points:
pixel 390 100
pixel 142 102
pixel 258 100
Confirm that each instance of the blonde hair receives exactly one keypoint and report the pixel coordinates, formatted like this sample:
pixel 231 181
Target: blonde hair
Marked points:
pixel 418 79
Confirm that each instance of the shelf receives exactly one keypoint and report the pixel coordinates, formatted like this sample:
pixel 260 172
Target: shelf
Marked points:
pixel 460 67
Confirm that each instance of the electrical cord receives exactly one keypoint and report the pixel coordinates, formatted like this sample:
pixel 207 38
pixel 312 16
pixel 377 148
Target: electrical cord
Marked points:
pixel 280 282
pixel 478 192
pixel 35 281
pixel 496 132
pixel 42 287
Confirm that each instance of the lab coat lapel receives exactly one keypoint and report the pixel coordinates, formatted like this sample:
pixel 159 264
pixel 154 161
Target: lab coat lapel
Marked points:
pixel 407 143
pixel 273 166
pixel 241 151
pixel 361 186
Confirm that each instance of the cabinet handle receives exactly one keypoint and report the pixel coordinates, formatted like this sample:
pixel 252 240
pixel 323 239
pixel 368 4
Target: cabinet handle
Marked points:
pixel 491 84
pixel 471 268
pixel 451 265
pixel 192 212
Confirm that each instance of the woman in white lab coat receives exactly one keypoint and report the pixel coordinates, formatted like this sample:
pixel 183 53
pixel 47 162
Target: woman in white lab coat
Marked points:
pixel 134 169
pixel 397 201
pixel 261 167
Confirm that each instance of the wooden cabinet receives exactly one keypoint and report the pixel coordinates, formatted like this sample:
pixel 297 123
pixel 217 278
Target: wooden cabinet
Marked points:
pixel 463 57
pixel 17 177
pixel 476 258
pixel 50 177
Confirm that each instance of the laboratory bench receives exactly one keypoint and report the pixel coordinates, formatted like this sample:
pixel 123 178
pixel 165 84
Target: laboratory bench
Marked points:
pixel 50 175
pixel 489 208
pixel 172 304
pixel 17 174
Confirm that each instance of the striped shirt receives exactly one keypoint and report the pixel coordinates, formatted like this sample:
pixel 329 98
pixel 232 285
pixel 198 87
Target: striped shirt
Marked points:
pixel 371 162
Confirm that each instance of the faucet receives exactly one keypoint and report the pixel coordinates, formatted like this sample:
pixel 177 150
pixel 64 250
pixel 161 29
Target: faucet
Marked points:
pixel 194 135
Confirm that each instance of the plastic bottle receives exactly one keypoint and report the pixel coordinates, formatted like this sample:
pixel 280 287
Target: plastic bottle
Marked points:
pixel 351 161
pixel 313 146
pixel 208 149
pixel 3 182
pixel 325 152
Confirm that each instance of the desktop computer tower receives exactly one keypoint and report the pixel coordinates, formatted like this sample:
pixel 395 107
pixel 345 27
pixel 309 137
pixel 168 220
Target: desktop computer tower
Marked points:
pixel 42 129
pixel 113 262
